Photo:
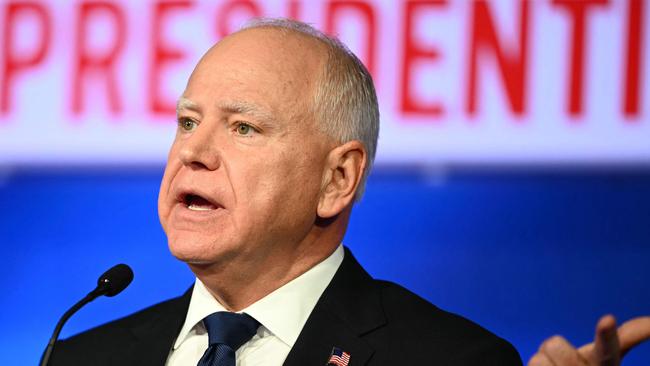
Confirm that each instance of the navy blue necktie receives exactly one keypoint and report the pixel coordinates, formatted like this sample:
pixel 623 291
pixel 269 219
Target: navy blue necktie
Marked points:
pixel 226 333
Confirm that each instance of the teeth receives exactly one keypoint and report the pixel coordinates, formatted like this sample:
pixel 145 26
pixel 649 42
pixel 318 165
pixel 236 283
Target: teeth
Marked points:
pixel 199 208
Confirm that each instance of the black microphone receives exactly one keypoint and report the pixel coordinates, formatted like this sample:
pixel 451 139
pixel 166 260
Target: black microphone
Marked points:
pixel 111 283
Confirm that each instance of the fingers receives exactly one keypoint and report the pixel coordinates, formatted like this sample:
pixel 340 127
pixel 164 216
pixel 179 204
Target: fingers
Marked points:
pixel 540 359
pixel 633 332
pixel 557 351
pixel 606 350
pixel 606 347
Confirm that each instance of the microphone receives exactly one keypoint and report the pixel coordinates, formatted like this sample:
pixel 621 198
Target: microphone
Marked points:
pixel 111 283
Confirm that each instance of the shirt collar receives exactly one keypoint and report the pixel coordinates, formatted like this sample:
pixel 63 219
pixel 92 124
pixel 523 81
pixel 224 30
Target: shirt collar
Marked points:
pixel 202 304
pixel 283 312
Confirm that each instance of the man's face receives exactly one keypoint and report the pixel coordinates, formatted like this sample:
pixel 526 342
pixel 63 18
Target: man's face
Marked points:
pixel 244 173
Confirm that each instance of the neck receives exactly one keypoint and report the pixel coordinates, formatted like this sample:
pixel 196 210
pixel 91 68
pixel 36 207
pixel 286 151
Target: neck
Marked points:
pixel 240 281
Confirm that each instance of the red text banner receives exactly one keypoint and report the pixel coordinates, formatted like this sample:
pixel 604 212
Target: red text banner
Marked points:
pixel 551 82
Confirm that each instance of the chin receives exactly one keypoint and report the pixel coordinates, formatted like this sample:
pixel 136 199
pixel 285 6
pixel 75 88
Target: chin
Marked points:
pixel 190 258
pixel 198 252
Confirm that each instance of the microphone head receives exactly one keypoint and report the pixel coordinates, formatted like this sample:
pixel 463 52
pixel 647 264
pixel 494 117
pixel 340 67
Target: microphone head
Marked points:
pixel 116 279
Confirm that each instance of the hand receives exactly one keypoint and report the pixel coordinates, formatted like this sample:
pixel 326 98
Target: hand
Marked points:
pixel 608 348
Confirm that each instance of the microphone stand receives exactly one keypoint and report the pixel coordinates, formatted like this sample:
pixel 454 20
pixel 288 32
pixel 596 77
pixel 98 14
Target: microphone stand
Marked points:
pixel 111 283
pixel 50 345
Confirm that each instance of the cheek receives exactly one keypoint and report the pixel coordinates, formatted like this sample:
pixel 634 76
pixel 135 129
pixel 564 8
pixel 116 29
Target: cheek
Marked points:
pixel 291 180
pixel 305 169
pixel 164 201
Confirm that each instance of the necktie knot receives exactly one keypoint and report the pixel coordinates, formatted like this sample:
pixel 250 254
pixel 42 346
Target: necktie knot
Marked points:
pixel 231 329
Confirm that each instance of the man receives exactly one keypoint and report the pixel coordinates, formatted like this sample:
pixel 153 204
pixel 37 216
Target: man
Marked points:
pixel 277 131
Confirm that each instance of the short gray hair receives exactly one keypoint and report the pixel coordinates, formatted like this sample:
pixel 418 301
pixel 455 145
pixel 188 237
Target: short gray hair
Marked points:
pixel 345 101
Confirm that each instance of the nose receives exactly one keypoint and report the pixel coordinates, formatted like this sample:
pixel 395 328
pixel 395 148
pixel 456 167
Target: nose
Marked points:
pixel 200 150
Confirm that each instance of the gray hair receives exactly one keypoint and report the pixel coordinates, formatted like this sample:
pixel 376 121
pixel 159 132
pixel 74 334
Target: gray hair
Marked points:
pixel 345 101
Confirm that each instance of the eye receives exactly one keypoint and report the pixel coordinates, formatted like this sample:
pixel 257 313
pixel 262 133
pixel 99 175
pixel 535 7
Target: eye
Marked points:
pixel 244 129
pixel 187 124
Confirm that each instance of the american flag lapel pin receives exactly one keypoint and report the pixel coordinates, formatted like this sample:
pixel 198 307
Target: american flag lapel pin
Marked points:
pixel 338 357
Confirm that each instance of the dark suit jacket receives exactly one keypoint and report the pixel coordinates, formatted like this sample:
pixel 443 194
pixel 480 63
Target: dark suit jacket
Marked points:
pixel 376 322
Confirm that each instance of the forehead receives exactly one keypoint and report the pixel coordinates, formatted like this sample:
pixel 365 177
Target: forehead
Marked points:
pixel 267 67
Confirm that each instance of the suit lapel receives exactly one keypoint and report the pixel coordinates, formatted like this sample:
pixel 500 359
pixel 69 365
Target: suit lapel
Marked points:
pixel 153 339
pixel 349 308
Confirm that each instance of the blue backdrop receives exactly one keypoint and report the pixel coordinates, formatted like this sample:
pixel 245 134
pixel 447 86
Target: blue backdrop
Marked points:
pixel 526 255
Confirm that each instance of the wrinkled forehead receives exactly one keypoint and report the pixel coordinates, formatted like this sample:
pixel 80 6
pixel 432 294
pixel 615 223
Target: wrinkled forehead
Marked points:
pixel 279 66
pixel 289 55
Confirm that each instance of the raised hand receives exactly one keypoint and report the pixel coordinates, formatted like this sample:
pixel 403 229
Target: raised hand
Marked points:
pixel 608 348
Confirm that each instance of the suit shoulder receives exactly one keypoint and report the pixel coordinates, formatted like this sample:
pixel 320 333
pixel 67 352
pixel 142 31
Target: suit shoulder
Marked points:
pixel 127 322
pixel 104 342
pixel 405 307
pixel 460 340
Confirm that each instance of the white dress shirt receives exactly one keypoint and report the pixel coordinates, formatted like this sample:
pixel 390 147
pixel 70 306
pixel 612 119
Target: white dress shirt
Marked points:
pixel 282 315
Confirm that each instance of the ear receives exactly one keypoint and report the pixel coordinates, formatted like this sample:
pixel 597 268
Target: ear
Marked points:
pixel 342 175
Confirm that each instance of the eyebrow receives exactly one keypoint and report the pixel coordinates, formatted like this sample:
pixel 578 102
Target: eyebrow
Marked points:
pixel 247 108
pixel 232 107
pixel 184 103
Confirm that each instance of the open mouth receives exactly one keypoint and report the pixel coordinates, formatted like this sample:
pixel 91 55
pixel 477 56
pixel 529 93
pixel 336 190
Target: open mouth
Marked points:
pixel 198 203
